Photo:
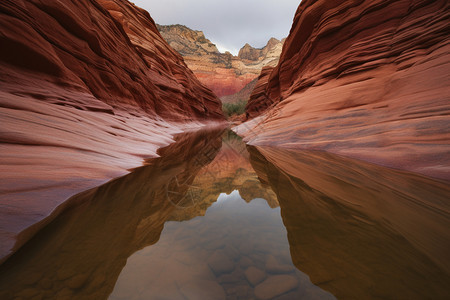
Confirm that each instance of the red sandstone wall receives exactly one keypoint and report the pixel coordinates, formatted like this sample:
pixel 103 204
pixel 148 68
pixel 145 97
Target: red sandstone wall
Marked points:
pixel 367 79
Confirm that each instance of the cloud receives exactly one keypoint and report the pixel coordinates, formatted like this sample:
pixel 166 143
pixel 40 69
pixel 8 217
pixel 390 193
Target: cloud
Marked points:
pixel 227 23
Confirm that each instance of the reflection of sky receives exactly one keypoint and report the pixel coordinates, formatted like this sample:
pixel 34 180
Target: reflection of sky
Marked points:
pixel 227 23
pixel 179 263
pixel 232 196
pixel 236 197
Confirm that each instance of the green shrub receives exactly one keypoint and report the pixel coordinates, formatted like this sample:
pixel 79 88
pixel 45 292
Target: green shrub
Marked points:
pixel 236 108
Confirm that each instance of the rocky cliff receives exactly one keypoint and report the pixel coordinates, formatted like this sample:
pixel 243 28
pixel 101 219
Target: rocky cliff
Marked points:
pixel 87 90
pixel 366 79
pixel 223 73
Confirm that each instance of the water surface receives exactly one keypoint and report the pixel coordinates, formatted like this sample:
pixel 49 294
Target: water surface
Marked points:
pixel 216 219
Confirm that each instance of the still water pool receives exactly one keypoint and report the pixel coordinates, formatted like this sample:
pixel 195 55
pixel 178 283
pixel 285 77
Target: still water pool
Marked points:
pixel 238 250
pixel 213 218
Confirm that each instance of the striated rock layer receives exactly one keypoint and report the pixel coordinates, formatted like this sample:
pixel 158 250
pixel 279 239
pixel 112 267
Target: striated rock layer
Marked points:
pixel 223 73
pixel 87 90
pixel 366 79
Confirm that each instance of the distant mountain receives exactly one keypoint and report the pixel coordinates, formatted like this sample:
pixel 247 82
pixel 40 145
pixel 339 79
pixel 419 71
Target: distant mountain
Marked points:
pixel 223 73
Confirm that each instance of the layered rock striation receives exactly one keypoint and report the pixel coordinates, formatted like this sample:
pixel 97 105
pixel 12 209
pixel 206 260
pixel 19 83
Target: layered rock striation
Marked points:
pixel 366 79
pixel 223 73
pixel 88 89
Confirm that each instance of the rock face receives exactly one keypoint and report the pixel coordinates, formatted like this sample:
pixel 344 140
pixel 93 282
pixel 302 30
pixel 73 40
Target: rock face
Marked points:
pixel 187 41
pixel 223 73
pixel 270 52
pixel 87 90
pixel 367 79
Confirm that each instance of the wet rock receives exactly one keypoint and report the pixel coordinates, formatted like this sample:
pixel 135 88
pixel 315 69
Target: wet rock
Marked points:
pixel 242 291
pixel 220 263
pixel 185 258
pixel 254 275
pixel 232 252
pixel 246 248
pixel 203 289
pixel 245 262
pixel 217 244
pixel 275 286
pixel 259 259
pixel 229 278
pixel 230 289
pixel 274 267
pixel 187 244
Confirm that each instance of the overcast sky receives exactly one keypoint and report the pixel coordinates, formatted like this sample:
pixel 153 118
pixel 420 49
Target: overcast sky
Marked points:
pixel 227 23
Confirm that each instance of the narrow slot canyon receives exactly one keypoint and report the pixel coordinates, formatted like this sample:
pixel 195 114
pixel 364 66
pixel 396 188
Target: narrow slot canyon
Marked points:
pixel 224 150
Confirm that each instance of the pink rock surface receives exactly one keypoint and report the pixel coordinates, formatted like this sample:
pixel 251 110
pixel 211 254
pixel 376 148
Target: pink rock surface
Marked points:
pixel 88 89
pixel 366 79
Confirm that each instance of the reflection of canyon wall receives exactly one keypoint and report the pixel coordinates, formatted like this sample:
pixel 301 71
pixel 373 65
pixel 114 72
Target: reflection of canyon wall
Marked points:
pixel 360 230
pixel 87 90
pixel 366 79
pixel 230 170
pixel 224 74
pixel 82 252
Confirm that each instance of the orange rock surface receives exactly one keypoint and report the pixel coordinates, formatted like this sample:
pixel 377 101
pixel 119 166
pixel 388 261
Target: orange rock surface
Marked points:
pixel 88 89
pixel 366 79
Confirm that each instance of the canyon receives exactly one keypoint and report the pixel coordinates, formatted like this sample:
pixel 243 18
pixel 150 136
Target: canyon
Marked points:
pixel 121 177
pixel 337 231
pixel 223 73
pixel 363 79
pixel 84 98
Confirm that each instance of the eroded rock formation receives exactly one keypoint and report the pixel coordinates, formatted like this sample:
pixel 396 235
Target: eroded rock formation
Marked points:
pixel 223 73
pixel 366 79
pixel 88 89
